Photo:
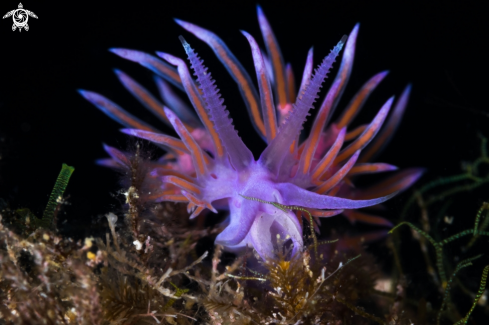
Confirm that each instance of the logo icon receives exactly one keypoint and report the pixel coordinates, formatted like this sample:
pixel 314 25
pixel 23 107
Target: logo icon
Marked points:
pixel 20 17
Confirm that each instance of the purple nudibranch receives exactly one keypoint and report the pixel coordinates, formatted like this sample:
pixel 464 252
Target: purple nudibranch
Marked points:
pixel 210 167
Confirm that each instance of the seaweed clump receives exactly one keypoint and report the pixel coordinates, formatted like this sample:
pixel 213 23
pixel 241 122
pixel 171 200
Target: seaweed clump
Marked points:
pixel 153 267
pixel 456 275
pixel 294 290
pixel 44 280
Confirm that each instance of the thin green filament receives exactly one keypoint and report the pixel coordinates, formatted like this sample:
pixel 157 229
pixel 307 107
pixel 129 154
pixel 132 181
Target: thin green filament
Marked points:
pixel 340 268
pixel 471 174
pixel 178 293
pixel 56 195
pixel 477 218
pixel 285 208
pixel 439 245
pixel 323 242
pixel 482 228
pixel 245 277
pixel 431 185
pixel 460 266
pixel 479 294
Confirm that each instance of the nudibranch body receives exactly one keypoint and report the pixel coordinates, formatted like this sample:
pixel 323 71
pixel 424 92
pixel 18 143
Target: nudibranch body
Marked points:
pixel 210 167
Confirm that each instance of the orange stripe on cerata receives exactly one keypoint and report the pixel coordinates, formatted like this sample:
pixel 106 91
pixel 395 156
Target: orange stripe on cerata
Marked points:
pixel 269 107
pixel 355 133
pixel 171 172
pixel 246 88
pixel 183 184
pixel 364 169
pixel 358 100
pixel 155 107
pixel 326 161
pixel 290 83
pixel 387 187
pixel 132 122
pixel 326 186
pixel 169 141
pixel 197 211
pixel 339 175
pixel 343 77
pixel 195 201
pixel 373 148
pixel 356 145
pixel 292 146
pixel 174 198
pixel 323 213
pixel 387 191
pixel 307 157
pixel 194 149
pixel 313 139
pixel 300 148
pixel 168 72
pixel 154 195
pixel 175 144
pixel 379 141
pixel 367 218
pixel 278 69
pixel 207 159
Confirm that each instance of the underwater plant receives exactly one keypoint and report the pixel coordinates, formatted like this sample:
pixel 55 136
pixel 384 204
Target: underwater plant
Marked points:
pixel 440 278
pixel 439 212
pixel 210 167
pixel 23 219
pixel 48 278
pixel 300 290
pixel 56 195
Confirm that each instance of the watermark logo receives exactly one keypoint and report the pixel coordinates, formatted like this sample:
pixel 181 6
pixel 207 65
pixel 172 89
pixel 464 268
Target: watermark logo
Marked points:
pixel 20 17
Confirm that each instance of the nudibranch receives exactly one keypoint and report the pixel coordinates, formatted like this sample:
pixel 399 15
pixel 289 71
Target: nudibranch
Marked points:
pixel 210 167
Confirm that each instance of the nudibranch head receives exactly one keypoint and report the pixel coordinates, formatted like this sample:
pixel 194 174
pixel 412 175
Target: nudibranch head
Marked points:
pixel 209 167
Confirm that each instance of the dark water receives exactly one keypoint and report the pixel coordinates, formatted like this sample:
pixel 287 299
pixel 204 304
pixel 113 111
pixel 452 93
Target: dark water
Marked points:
pixel 441 48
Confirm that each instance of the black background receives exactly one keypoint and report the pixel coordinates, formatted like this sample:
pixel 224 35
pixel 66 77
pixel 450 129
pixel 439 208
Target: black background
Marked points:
pixel 438 46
